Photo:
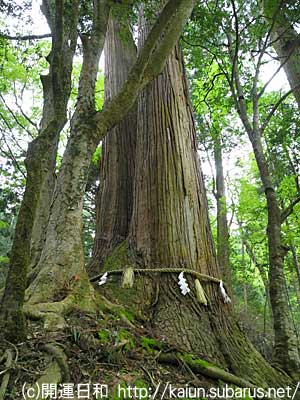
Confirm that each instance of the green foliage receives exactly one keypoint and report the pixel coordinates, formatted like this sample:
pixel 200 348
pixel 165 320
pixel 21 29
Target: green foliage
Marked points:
pixel 97 156
pixel 99 92
pixel 21 64
pixel 192 359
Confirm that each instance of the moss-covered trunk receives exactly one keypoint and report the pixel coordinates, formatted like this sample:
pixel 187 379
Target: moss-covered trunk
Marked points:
pixel 115 196
pixel 61 273
pixel 40 164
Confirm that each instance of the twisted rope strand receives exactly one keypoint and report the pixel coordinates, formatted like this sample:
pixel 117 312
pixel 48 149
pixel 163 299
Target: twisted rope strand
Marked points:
pixel 163 270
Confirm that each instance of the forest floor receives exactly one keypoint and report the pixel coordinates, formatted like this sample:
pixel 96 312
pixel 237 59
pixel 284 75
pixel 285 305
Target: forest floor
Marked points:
pixel 110 351
pixel 113 355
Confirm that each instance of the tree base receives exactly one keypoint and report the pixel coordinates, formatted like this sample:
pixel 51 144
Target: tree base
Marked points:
pixel 209 332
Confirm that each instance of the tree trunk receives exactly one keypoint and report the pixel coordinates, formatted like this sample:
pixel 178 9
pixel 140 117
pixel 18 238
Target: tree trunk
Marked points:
pixel 114 200
pixel 170 228
pixel 295 282
pixel 223 247
pixel 287 48
pixel 40 164
pixel 285 347
pixel 251 254
pixel 296 262
pixel 61 265
pixel 285 41
pixel 245 277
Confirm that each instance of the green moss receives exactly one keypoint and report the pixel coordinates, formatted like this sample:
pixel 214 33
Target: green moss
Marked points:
pixel 139 383
pixel 83 295
pixel 191 359
pixel 127 314
pixel 126 337
pixel 104 336
pixel 149 344
pixel 118 259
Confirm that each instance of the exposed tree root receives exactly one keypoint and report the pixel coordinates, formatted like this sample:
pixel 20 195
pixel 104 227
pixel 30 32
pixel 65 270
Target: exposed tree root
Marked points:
pixel 57 370
pixel 8 356
pixel 60 358
pixel 202 367
pixel 53 313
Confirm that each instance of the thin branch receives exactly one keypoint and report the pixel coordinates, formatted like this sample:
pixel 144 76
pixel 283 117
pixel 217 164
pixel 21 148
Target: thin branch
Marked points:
pixel 26 37
pixel 276 72
pixel 217 60
pixel 212 83
pixel 12 155
pixel 210 163
pixel 20 108
pixel 14 116
pixel 288 210
pixel 237 91
pixel 236 29
pixel 10 128
pixel 255 95
pixel 232 207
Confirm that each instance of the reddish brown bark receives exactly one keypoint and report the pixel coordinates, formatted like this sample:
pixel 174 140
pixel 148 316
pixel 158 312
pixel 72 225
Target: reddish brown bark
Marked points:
pixel 114 201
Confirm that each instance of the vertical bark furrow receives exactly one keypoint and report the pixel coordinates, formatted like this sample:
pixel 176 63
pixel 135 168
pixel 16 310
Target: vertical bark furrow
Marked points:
pixel 176 174
pixel 114 204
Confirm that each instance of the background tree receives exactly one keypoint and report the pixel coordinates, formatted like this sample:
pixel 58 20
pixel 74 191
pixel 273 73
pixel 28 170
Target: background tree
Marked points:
pixel 282 17
pixel 239 33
